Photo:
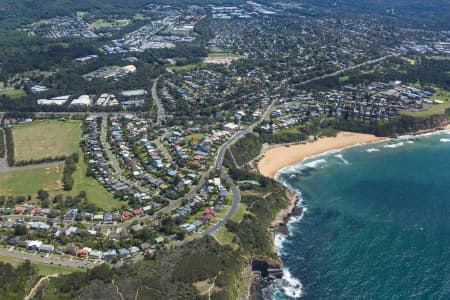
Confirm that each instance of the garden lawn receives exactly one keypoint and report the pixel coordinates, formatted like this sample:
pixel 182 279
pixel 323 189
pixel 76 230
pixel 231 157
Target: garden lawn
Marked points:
pixel 195 138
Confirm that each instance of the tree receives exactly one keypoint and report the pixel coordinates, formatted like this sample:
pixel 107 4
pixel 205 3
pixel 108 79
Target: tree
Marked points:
pixel 43 195
pixel 20 230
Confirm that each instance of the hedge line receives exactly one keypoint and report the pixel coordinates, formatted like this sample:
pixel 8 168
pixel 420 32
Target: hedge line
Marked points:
pixel 2 144
pixel 70 166
pixel 10 146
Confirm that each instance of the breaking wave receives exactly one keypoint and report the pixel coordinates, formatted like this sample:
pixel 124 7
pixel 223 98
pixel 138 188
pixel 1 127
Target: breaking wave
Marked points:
pixel 290 285
pixel 314 164
pixel 341 157
pixel 394 145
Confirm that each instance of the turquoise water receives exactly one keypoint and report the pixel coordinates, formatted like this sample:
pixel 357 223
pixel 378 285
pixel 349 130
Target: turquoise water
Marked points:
pixel 377 224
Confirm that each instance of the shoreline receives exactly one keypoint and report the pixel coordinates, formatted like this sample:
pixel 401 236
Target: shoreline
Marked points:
pixel 269 165
pixel 294 154
pixel 279 157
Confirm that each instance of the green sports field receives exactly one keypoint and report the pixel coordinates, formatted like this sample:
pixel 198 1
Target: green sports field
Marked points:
pixel 28 181
pixel 32 141
pixel 46 139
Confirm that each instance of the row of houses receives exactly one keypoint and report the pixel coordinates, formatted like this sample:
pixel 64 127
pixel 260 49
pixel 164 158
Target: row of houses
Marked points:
pixel 375 101
pixel 82 252
pixel 98 165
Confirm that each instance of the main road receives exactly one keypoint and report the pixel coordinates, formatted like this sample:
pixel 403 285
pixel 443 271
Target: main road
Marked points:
pixel 161 116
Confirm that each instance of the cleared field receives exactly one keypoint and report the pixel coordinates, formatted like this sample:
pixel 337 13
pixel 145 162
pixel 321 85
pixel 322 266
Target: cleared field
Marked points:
pixel 13 94
pixel 184 68
pixel 225 237
pixel 46 139
pixel 195 138
pixel 102 23
pixel 220 58
pixel 43 269
pixel 28 182
pixel 96 193
pixel 46 269
pixel 242 210
pixel 66 137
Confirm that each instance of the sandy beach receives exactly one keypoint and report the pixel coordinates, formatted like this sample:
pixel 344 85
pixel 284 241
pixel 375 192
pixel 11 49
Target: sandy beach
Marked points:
pixel 277 158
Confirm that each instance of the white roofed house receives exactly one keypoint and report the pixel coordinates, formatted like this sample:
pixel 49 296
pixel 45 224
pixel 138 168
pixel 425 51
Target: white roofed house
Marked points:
pixel 54 101
pixel 106 99
pixel 72 230
pixel 230 127
pixel 83 100
pixel 46 248
pixel 33 244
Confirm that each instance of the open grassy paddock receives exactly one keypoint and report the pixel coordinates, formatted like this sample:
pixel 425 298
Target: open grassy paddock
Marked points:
pixel 43 269
pixel 13 94
pixel 28 182
pixel 44 139
pixel 195 138
pixel 220 58
pixel 60 138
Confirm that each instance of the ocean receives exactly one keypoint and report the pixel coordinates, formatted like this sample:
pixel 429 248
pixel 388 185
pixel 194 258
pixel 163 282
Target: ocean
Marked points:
pixel 376 224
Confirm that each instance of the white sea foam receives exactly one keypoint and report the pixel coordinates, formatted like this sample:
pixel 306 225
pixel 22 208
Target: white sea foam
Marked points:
pixel 278 241
pixel 293 169
pixel 444 140
pixel 341 157
pixel 394 145
pixel 406 137
pixel 315 163
pixel 430 133
pixel 296 219
pixel 372 150
pixel 290 285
